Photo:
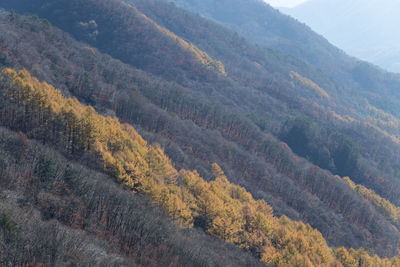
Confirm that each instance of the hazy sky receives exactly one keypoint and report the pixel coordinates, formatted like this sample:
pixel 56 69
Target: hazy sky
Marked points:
pixel 284 3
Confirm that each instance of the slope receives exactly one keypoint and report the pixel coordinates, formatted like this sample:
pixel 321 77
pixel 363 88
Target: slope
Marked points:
pixel 219 207
pixel 50 205
pixel 204 123
pixel 352 88
pixel 267 27
pixel 109 21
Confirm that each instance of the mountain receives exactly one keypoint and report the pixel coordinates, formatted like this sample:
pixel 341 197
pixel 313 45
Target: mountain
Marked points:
pixel 365 30
pixel 269 28
pixel 78 203
pixel 222 209
pixel 280 127
pixel 357 88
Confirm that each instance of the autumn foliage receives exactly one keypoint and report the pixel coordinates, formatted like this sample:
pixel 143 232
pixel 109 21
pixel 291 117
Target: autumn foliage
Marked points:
pixel 222 209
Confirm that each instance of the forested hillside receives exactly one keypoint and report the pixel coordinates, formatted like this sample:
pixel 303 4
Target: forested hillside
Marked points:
pixel 365 112
pixel 277 125
pixel 336 72
pixel 55 212
pixel 218 207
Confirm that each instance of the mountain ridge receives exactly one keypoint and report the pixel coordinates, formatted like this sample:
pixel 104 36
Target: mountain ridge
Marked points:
pixel 198 121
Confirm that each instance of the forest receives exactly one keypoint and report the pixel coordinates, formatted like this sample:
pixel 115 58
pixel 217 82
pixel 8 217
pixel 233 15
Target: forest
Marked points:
pixel 218 207
pixel 55 212
pixel 182 111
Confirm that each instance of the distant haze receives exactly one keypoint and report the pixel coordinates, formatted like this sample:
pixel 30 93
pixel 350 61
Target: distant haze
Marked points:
pixel 368 30
pixel 285 3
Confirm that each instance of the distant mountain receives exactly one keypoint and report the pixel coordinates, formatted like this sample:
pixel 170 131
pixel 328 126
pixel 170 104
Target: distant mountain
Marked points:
pixel 365 29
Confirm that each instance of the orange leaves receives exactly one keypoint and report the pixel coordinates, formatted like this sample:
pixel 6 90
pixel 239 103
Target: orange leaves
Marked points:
pixel 222 209
pixel 177 209
pixel 232 214
pixel 90 49
pixel 345 258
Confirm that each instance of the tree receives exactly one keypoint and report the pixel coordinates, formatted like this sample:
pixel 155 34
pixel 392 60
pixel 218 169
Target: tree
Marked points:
pixel 8 227
pixel 45 170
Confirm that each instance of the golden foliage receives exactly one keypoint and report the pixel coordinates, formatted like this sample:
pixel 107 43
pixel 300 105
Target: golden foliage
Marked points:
pixel 222 209
pixel 388 209
pixel 199 54
pixel 307 82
